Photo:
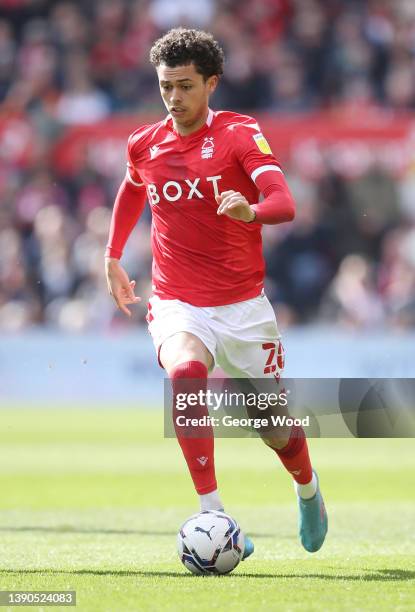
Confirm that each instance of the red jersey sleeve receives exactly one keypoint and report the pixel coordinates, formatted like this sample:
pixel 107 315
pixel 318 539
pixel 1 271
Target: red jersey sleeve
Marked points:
pixel 129 204
pixel 132 175
pixel 258 161
pixel 252 149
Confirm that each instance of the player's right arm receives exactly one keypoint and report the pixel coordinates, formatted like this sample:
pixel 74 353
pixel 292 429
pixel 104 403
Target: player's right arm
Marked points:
pixel 128 206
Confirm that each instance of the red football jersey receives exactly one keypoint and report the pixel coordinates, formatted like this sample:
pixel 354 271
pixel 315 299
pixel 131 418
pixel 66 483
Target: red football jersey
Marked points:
pixel 200 257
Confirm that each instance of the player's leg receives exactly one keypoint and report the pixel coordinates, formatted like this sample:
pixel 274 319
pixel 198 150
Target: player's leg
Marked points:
pixel 185 348
pixel 254 350
pixel 294 455
pixel 187 362
pixel 312 513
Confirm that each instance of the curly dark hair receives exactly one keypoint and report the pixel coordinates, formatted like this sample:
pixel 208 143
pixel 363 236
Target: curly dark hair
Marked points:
pixel 181 47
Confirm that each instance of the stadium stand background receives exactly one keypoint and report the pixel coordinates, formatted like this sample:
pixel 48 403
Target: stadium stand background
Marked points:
pixel 302 65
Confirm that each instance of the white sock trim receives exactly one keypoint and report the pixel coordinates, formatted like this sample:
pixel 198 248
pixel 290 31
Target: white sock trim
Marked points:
pixel 210 501
pixel 307 491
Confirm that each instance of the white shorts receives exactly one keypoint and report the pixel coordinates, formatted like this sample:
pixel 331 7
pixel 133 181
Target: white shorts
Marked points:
pixel 242 338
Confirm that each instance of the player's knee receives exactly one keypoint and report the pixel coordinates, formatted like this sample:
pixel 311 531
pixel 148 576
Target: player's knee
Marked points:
pixel 181 349
pixel 181 366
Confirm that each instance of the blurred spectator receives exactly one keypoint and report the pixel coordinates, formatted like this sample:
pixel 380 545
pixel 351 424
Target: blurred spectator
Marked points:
pixel 303 263
pixel 167 14
pixel 8 48
pixel 397 276
pixel 351 298
pixel 81 102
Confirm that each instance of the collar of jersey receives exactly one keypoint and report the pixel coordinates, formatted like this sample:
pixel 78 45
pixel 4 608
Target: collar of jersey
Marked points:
pixel 168 122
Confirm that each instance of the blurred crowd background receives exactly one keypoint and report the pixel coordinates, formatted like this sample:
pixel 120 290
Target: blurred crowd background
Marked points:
pixel 350 256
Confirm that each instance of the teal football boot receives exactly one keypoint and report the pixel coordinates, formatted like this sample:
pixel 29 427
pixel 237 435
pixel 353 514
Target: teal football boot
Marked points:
pixel 313 522
pixel 249 548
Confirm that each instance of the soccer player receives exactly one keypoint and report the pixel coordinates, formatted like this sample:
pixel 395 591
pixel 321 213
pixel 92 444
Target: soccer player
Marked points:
pixel 202 172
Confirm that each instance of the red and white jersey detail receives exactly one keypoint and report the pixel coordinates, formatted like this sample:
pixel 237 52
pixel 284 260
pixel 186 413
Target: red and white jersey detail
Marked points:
pixel 200 257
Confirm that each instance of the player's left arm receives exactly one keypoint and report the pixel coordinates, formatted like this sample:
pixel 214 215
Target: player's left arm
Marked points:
pixel 256 157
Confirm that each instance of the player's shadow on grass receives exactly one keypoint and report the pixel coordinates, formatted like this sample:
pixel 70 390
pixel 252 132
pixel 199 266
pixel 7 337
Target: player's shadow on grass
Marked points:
pixel 381 575
pixel 68 529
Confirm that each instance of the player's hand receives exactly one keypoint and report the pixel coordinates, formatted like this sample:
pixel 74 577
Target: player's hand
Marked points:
pixel 235 205
pixel 119 285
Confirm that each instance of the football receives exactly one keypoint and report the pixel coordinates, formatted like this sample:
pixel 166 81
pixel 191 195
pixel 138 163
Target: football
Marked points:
pixel 210 542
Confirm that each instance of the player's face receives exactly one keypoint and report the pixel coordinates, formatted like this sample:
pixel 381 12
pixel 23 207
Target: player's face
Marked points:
pixel 186 95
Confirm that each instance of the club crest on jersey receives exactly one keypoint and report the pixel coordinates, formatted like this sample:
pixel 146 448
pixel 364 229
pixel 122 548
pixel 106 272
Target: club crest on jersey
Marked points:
pixel 262 143
pixel 207 148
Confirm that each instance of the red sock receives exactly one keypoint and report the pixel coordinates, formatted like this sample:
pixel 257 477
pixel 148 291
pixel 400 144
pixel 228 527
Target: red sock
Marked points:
pixel 191 377
pixel 294 456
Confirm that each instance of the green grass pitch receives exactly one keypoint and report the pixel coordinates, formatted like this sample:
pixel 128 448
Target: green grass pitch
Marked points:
pixel 91 500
